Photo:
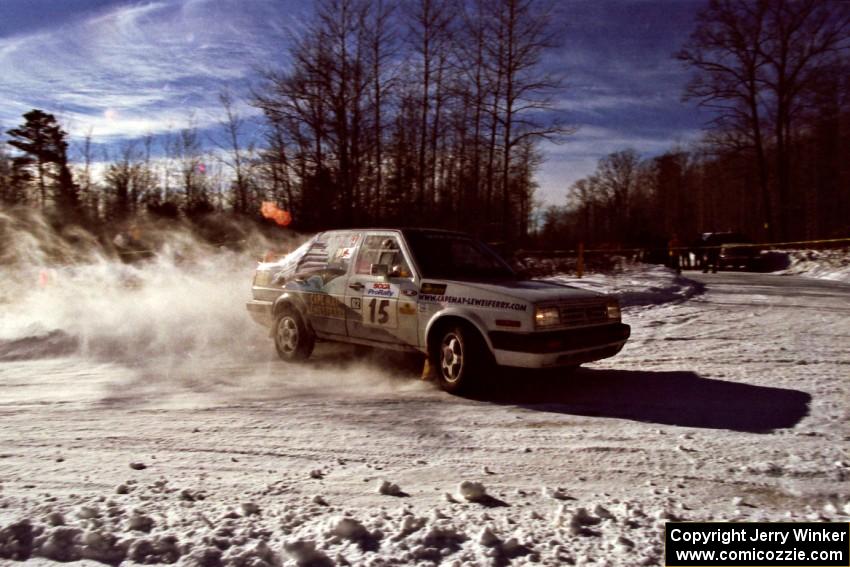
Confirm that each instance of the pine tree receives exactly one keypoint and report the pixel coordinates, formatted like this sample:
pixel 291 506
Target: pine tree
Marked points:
pixel 45 149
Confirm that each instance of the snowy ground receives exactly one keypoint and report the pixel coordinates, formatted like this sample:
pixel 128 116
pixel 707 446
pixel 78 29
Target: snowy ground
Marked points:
pixel 145 419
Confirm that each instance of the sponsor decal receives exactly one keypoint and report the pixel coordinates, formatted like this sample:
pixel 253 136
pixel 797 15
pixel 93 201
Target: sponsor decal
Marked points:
pixel 409 292
pixel 407 309
pixel 433 289
pixel 381 289
pixel 322 305
pixel 474 302
pixel 355 303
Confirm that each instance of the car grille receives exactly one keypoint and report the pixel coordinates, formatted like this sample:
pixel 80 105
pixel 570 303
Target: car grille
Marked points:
pixel 574 315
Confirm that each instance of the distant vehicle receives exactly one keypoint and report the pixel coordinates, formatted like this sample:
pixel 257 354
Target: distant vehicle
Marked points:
pixel 729 250
pixel 441 293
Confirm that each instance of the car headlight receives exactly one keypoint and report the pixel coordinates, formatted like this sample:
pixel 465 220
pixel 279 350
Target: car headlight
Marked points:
pixel 547 316
pixel 614 310
pixel 262 278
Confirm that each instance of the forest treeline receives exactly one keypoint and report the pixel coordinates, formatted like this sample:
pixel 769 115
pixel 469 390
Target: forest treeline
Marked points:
pixel 775 161
pixel 431 112
pixel 425 112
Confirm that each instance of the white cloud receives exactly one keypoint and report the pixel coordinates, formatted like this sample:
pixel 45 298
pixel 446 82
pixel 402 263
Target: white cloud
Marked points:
pixel 133 70
pixel 589 101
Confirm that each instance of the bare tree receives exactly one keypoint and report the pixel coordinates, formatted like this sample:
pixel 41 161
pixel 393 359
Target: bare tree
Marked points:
pixel 381 48
pixel 527 34
pixel 186 150
pixel 755 62
pixel 429 36
pixel 88 193
pixel 804 37
pixel 235 156
pixel 120 179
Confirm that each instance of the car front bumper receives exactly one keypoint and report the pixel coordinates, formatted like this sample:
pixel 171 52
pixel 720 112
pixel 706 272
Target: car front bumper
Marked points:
pixel 559 348
pixel 261 312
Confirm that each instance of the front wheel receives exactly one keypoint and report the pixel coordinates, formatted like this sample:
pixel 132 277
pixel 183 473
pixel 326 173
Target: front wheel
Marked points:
pixel 292 339
pixel 459 359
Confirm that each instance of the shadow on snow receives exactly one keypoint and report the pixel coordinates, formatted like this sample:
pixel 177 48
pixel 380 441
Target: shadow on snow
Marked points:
pixel 678 398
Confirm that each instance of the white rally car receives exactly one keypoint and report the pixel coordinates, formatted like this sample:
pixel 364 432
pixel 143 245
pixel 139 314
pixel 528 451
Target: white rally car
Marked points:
pixel 441 293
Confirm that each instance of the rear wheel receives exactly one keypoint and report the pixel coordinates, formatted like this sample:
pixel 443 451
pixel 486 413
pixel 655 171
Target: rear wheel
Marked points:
pixel 292 339
pixel 459 357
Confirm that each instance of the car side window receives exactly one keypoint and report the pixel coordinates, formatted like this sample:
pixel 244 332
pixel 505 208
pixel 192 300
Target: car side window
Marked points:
pixel 328 258
pixel 385 250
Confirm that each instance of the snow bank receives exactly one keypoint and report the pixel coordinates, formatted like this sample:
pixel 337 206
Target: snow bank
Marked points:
pixel 637 285
pixel 821 264
pixel 291 531
pixel 211 533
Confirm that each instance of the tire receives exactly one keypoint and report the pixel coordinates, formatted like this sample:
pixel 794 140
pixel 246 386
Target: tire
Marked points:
pixel 459 358
pixel 293 341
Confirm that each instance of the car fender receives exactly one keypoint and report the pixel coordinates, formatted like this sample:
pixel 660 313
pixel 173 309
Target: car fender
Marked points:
pixel 294 300
pixel 459 312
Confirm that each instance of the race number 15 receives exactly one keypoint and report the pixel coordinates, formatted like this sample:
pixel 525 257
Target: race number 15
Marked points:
pixel 381 308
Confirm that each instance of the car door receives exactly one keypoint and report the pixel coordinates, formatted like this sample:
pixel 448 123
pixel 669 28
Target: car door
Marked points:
pixel 381 292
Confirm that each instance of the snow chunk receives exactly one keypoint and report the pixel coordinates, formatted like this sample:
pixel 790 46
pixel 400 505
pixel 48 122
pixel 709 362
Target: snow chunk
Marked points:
pixel 260 555
pixel 387 488
pixel 59 544
pixel 556 493
pixel 409 524
pixel 55 519
pixel 304 552
pixel 472 491
pixel 88 513
pixel 625 542
pixel 202 556
pixel 163 549
pixel 603 512
pixel 348 528
pixel 102 547
pixel 487 538
pixel 16 540
pixel 140 522
pixel 582 517
pixel 577 520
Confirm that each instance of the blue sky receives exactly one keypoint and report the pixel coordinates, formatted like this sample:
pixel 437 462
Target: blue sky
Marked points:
pixel 122 69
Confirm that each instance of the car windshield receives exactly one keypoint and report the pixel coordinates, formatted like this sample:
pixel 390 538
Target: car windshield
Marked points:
pixel 454 256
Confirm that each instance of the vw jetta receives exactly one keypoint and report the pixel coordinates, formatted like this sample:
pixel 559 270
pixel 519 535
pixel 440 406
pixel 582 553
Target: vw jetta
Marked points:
pixel 441 293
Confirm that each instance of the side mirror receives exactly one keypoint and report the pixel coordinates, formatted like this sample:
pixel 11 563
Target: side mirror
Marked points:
pixel 380 270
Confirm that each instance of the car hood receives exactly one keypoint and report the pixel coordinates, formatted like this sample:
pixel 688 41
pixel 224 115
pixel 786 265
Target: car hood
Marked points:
pixel 534 291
